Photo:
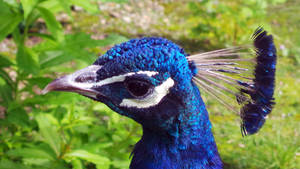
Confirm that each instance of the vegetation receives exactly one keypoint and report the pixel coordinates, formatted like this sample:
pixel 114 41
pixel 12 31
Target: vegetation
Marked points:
pixel 42 39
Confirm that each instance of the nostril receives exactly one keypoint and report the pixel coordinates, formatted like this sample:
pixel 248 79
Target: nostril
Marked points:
pixel 87 77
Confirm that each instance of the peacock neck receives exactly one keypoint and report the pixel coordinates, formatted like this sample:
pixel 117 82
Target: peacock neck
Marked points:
pixel 184 142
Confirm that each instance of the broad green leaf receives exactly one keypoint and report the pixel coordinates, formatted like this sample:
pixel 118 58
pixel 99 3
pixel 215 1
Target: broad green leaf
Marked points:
pixel 54 6
pixel 121 163
pixel 39 81
pixel 60 112
pixel 7 79
pixel 76 42
pixel 49 132
pixel 52 24
pixel 44 36
pixel 54 58
pixel 35 161
pixel 31 19
pixel 4 62
pixel 6 94
pixel 100 161
pixel 18 37
pixel 28 5
pixel 66 5
pixel 112 39
pixel 48 44
pixel 7 88
pixel 9 20
pixel 83 40
pixel 6 164
pixel 88 5
pixel 31 153
pixel 13 3
pixel 75 46
pixel 27 60
pixel 116 1
pixel 17 115
pixel 76 163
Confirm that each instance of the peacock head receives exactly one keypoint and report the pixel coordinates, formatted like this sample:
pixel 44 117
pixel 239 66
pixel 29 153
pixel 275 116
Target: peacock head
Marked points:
pixel 147 79
pixel 152 80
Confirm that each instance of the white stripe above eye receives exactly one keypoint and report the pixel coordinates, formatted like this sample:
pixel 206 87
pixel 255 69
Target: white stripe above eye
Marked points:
pixel 153 99
pixel 121 78
pixel 110 80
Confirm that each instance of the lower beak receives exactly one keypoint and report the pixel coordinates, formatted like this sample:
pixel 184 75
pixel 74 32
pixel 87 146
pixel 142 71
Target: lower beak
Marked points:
pixel 81 82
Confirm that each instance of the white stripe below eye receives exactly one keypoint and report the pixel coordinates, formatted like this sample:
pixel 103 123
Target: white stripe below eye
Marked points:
pixel 153 99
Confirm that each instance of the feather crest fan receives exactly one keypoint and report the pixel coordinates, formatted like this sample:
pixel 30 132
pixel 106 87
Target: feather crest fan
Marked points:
pixel 232 74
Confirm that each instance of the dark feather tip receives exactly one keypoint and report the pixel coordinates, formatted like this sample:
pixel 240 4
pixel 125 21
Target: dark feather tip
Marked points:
pixel 253 114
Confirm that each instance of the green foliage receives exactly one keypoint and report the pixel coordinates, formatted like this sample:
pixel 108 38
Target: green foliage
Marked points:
pixel 9 19
pixel 44 131
pixel 65 130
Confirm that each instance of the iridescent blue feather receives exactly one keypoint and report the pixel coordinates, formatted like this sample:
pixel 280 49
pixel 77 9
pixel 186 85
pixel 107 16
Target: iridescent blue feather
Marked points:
pixel 254 113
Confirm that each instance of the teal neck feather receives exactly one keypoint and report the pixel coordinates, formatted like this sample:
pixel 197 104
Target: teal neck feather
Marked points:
pixel 184 142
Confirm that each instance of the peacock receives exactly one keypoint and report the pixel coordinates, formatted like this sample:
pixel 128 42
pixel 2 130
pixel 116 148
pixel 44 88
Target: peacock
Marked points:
pixel 153 81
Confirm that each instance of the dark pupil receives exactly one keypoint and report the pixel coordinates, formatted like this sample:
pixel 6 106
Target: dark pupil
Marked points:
pixel 138 88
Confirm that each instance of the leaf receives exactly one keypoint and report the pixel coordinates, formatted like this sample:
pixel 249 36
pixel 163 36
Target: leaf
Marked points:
pixel 7 79
pixel 52 24
pixel 17 115
pixel 53 58
pixel 30 153
pixel 6 164
pixel 9 20
pixel 74 47
pixel 6 94
pixel 76 42
pixel 4 62
pixel 28 5
pixel 84 40
pixel 49 132
pixel 27 60
pixel 13 3
pixel 77 164
pixel 41 82
pixel 18 37
pixel 120 164
pixel 116 1
pixel 66 5
pixel 44 36
pixel 112 39
pixel 54 6
pixel 88 6
pixel 100 161
pixel 33 17
pixel 35 161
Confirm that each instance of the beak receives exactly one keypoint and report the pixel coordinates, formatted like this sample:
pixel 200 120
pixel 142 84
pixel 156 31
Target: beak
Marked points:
pixel 81 82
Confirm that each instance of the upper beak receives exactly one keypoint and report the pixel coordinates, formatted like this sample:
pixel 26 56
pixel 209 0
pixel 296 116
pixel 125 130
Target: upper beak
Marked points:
pixel 80 82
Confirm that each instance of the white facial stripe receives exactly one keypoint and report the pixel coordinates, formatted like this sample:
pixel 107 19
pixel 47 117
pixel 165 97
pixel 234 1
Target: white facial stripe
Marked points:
pixel 110 80
pixel 158 94
pixel 121 78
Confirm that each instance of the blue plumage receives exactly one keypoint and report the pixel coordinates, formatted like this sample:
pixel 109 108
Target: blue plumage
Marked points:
pixel 154 82
pixel 253 114
pixel 176 132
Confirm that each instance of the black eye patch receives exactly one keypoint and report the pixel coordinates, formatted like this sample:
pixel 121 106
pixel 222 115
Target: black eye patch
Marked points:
pixel 138 87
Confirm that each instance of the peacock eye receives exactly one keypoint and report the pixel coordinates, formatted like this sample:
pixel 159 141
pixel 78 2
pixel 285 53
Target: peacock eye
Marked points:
pixel 138 88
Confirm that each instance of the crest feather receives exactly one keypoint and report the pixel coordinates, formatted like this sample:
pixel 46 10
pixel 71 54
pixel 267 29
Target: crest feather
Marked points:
pixel 232 73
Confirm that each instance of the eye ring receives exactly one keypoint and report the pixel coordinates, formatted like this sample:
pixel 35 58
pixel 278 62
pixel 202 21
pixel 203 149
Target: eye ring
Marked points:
pixel 138 88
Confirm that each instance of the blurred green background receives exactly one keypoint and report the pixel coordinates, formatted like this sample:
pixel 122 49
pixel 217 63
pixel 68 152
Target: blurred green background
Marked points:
pixel 43 39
